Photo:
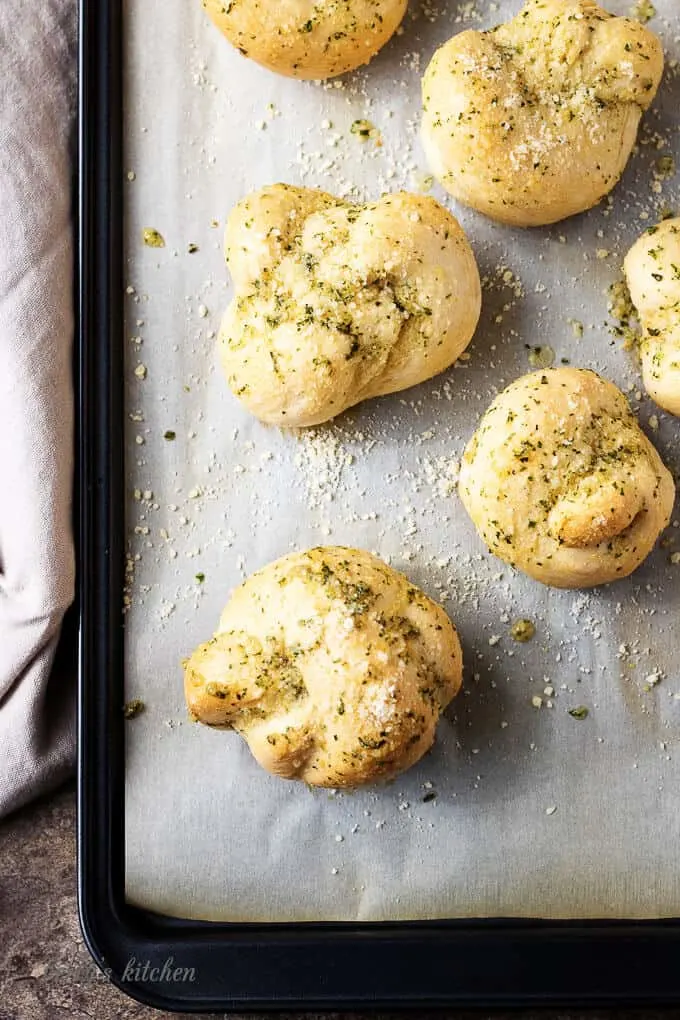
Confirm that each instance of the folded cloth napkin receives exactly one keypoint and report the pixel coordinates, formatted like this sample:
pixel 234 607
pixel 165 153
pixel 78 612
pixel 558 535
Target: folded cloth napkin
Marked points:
pixel 37 104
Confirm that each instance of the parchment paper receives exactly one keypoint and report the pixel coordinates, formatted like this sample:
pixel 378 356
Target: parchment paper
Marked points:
pixel 519 810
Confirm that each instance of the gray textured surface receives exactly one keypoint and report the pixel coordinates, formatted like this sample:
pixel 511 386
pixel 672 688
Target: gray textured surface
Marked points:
pixel 45 970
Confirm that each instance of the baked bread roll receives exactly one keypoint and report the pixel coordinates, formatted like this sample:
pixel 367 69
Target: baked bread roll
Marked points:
pixel 534 121
pixel 304 38
pixel 652 269
pixel 335 303
pixel 331 665
pixel 562 483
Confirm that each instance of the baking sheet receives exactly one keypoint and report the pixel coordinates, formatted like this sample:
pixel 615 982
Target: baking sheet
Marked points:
pixel 519 810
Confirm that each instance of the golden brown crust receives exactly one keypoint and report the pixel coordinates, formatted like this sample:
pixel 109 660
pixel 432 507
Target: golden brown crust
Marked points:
pixel 535 120
pixel 562 483
pixel 332 666
pixel 336 303
pixel 652 270
pixel 304 38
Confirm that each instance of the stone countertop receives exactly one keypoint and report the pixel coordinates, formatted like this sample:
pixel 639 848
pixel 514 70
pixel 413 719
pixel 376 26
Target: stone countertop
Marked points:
pixel 45 971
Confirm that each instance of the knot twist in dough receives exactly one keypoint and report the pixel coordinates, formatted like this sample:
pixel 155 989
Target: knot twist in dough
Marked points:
pixel 562 483
pixel 308 38
pixel 652 270
pixel 535 120
pixel 331 665
pixel 335 303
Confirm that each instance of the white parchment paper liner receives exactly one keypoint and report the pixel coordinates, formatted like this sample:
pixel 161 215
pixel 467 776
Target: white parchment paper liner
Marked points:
pixel 536 813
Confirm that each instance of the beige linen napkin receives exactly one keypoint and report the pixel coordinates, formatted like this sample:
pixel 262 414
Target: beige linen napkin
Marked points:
pixel 37 102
